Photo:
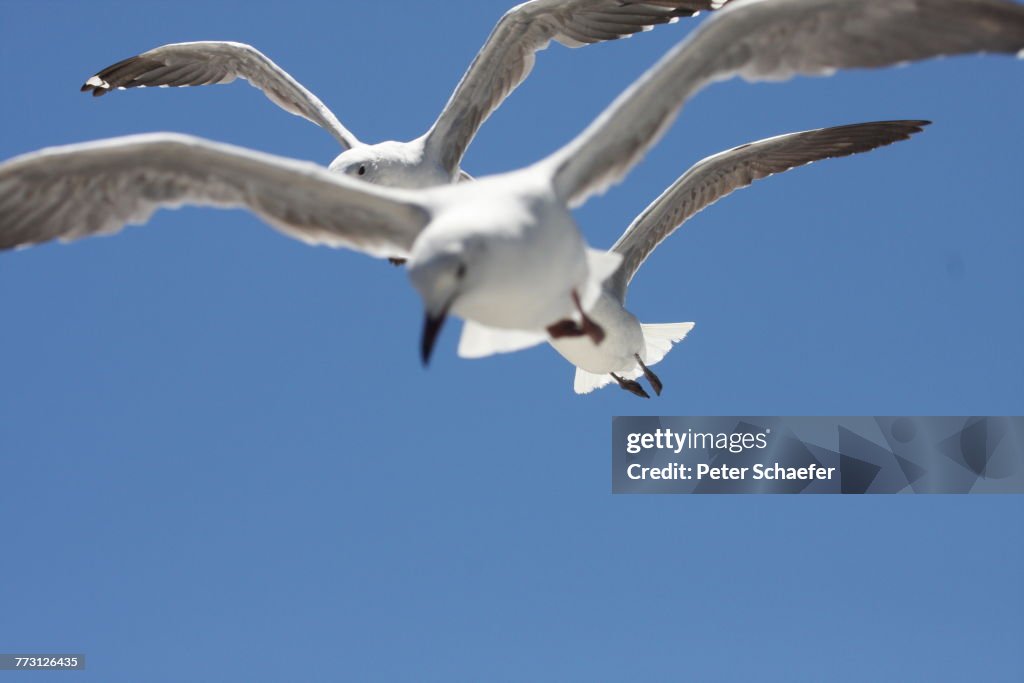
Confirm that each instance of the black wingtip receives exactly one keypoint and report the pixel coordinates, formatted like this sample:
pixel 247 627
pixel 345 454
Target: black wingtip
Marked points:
pixel 96 85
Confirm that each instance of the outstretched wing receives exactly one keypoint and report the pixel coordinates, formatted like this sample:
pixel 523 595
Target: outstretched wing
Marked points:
pixel 722 174
pixel 771 40
pixel 99 187
pixel 508 55
pixel 210 62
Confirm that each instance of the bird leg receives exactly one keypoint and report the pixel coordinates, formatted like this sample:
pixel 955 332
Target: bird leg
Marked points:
pixel 631 386
pixel 590 328
pixel 396 261
pixel 651 377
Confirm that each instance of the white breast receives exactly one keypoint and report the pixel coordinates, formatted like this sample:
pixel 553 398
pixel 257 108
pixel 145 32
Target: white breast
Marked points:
pixel 527 255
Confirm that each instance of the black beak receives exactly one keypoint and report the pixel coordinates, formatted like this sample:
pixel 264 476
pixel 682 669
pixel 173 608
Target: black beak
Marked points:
pixel 432 325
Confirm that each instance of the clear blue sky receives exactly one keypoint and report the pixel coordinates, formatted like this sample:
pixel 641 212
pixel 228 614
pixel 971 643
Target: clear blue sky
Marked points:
pixel 221 459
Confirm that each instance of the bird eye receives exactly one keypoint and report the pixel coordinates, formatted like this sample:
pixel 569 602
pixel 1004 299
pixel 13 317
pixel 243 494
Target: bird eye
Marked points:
pixel 362 170
pixel 461 271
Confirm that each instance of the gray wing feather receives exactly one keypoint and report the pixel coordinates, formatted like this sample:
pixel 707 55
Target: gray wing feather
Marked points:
pixel 211 62
pixel 771 40
pixel 507 57
pixel 99 187
pixel 722 174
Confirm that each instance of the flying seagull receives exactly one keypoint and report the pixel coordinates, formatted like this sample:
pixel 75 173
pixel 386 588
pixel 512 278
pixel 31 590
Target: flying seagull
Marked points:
pixel 630 348
pixel 504 62
pixel 503 251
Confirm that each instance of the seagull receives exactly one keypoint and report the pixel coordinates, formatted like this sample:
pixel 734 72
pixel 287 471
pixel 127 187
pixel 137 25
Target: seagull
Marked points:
pixel 630 348
pixel 502 252
pixel 504 62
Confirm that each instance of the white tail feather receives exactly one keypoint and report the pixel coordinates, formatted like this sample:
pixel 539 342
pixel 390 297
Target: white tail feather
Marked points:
pixel 658 339
pixel 588 381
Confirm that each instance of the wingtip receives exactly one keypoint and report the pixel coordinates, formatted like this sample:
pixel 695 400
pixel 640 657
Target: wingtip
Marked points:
pixel 915 125
pixel 96 85
pixel 919 126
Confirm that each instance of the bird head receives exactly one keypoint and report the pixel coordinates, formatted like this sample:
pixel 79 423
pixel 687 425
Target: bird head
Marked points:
pixel 390 163
pixel 440 278
pixel 362 162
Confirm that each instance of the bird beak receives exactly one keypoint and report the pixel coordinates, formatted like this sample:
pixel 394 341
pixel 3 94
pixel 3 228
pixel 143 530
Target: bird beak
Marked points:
pixel 432 324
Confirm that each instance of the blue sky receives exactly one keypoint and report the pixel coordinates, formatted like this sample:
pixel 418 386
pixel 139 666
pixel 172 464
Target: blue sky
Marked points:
pixel 222 460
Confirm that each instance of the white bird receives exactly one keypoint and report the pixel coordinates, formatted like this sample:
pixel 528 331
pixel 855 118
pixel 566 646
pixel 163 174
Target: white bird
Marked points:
pixel 630 348
pixel 502 252
pixel 504 62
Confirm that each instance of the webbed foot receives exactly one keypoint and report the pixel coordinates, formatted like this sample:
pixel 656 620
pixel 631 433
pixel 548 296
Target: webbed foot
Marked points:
pixel 631 386
pixel 651 377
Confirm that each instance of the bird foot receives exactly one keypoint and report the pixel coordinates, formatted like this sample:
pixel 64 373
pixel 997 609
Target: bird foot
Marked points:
pixel 589 327
pixel 593 330
pixel 571 328
pixel 395 261
pixel 631 386
pixel 565 328
pixel 651 377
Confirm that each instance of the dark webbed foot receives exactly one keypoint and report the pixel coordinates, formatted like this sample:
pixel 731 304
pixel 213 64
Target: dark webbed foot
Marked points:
pixel 396 261
pixel 593 330
pixel 565 328
pixel 631 386
pixel 570 328
pixel 651 377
